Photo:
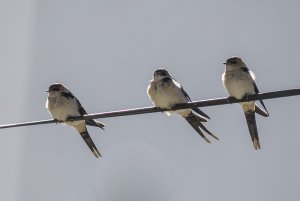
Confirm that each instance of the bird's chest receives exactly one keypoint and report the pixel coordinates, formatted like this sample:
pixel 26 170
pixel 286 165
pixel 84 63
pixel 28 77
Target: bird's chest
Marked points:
pixel 62 108
pixel 238 85
pixel 168 94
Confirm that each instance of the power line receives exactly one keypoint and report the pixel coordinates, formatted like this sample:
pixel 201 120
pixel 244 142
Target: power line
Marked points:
pixel 144 110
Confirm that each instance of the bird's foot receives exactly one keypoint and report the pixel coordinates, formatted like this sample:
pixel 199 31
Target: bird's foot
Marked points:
pixel 57 121
pixel 72 118
pixel 230 99
pixel 160 109
pixel 247 97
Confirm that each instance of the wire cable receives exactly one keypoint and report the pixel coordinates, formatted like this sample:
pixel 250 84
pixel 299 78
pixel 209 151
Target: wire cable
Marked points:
pixel 145 110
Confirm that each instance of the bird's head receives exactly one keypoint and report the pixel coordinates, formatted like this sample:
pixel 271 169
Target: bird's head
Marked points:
pixel 234 63
pixel 57 88
pixel 160 74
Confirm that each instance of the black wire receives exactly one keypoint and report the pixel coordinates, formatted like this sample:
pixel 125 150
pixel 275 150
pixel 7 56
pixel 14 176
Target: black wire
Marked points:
pixel 194 104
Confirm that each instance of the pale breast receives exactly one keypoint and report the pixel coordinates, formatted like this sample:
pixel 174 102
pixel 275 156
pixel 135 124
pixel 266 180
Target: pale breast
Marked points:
pixel 169 94
pixel 166 95
pixel 61 108
pixel 238 84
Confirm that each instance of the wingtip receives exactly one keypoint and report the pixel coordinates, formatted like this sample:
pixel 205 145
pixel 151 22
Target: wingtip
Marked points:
pixel 215 137
pixel 100 124
pixel 201 118
pixel 260 111
pixel 95 123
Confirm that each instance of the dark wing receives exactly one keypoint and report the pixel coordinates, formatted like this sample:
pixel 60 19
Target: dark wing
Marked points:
pixel 90 122
pixel 70 95
pixel 257 109
pixel 197 110
pixel 185 94
pixel 260 111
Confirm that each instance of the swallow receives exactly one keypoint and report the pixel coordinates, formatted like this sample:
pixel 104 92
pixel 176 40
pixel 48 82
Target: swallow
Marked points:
pixel 165 92
pixel 239 82
pixel 63 105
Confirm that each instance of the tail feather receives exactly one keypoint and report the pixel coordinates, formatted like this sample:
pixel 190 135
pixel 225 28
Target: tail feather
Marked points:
pixel 195 122
pixel 92 122
pixel 88 140
pixel 251 122
pixel 205 129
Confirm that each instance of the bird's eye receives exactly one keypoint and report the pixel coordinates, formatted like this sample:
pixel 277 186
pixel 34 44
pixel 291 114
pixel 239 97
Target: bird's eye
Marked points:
pixel 233 62
pixel 163 74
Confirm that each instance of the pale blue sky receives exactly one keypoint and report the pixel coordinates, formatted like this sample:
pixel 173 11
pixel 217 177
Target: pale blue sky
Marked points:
pixel 105 52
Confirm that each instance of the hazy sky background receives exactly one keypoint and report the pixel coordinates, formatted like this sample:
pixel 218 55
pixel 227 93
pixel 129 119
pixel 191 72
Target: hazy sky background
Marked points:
pixel 105 52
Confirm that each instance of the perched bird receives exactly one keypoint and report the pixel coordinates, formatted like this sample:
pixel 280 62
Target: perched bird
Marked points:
pixel 239 82
pixel 165 92
pixel 63 105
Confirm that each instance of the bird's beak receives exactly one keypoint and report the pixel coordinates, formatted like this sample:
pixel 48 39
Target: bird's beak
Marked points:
pixel 224 63
pixel 47 91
